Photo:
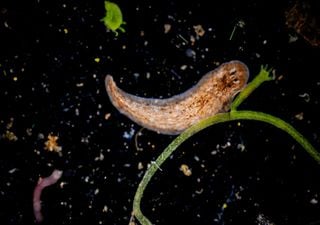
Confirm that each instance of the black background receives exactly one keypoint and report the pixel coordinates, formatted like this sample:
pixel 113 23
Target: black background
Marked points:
pixel 48 75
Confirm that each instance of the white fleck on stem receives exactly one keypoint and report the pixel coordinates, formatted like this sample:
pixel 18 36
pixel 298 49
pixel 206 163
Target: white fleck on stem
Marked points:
pixel 155 163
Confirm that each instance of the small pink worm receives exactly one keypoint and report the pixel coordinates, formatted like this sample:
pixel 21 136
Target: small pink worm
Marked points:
pixel 42 183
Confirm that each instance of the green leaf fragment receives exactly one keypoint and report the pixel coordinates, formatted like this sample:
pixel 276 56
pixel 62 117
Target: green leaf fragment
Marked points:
pixel 113 19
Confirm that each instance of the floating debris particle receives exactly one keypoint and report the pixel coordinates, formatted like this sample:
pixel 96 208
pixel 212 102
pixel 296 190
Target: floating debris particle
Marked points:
pixel 239 24
pixel 299 116
pixel 10 124
pixel 140 166
pixel 139 133
pixel 51 144
pixel 128 134
pixel 183 67
pixel 107 116
pixel 9 135
pixel 303 18
pixel 105 209
pixel 190 53
pixel 198 29
pixel 262 220
pixel 305 96
pixel 314 201
pixel 185 170
pixel 167 28
pixel 113 19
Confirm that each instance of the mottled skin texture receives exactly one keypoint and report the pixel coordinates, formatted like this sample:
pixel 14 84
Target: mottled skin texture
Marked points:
pixel 211 95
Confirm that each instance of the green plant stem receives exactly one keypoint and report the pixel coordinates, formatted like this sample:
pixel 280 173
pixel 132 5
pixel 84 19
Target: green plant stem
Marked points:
pixel 219 118
pixel 234 114
pixel 264 75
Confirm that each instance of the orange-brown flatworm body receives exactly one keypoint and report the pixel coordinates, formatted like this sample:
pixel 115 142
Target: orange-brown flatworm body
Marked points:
pixel 211 95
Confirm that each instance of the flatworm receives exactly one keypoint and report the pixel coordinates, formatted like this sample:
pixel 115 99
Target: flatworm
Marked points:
pixel 211 95
pixel 42 183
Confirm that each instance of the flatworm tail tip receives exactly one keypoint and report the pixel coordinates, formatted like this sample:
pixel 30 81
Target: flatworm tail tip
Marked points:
pixel 112 91
pixel 109 83
pixel 108 79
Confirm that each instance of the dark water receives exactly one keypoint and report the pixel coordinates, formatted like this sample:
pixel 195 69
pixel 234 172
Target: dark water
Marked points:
pixel 52 82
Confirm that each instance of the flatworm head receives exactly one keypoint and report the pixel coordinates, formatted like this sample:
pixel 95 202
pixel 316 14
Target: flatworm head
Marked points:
pixel 211 95
pixel 231 78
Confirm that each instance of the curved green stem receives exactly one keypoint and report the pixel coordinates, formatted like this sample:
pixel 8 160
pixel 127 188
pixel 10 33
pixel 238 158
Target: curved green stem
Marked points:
pixel 219 118
pixel 264 75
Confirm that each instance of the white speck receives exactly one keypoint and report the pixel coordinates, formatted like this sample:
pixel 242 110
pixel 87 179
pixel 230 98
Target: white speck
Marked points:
pixel 6 24
pixel 292 38
pixel 105 209
pixel 190 53
pixel 241 147
pixel 85 140
pixel 214 152
pixel 136 75
pixel 99 158
pixel 228 144
pixel 155 163
pixel 314 201
pixel 79 84
pixel 183 67
pixel 140 166
pixel 13 170
pixel 128 135
pixel 306 97
pixel 76 111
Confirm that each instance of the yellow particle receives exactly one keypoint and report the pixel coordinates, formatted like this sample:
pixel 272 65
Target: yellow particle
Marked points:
pixel 10 136
pixel 97 60
pixel 224 206
pixel 185 170
pixel 51 144
pixel 15 78
pixel 10 123
pixel 65 30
